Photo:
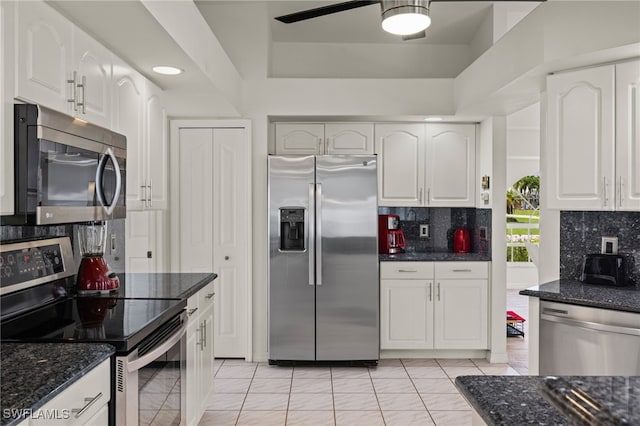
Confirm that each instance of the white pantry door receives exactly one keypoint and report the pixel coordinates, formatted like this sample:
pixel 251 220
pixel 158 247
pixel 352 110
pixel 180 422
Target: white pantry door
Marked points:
pixel 215 225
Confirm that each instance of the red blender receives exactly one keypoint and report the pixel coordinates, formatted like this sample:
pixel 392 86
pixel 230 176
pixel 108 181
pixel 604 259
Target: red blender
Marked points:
pixel 94 275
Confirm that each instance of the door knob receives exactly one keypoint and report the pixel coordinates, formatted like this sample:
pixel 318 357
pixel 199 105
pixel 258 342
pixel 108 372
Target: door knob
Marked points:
pixel 226 258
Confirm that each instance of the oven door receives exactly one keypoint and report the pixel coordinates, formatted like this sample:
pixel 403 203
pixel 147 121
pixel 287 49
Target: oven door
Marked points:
pixel 149 381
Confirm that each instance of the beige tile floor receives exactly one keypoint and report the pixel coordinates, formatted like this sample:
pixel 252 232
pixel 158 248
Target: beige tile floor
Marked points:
pixel 397 392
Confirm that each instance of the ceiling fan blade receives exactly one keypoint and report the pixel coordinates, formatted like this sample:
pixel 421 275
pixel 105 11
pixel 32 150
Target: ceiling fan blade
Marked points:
pixel 420 34
pixel 324 10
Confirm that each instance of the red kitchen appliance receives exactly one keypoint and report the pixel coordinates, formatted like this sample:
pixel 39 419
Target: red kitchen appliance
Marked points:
pixel 94 275
pixel 461 241
pixel 390 237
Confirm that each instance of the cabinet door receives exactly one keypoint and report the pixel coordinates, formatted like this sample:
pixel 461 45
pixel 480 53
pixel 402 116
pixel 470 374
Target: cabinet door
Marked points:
pixel 230 237
pixel 128 100
pixel 92 62
pixel 144 241
pixel 205 303
pixel 580 140
pixel 451 165
pixel 400 149
pixel 299 138
pixel 43 55
pixel 156 149
pixel 406 314
pixel 628 136
pixel 349 138
pixel 6 109
pixel 460 314
pixel 191 382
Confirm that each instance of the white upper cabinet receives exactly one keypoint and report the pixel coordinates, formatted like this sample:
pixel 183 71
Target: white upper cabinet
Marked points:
pixel 43 55
pixel 580 150
pixel 593 145
pixel 348 138
pixel 328 138
pixel 93 79
pixel 628 135
pixel 401 152
pixel 299 138
pixel 155 137
pixel 429 165
pixel 59 66
pixel 451 165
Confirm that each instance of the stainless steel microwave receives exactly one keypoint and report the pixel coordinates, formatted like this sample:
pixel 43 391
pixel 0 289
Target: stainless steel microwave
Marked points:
pixel 66 170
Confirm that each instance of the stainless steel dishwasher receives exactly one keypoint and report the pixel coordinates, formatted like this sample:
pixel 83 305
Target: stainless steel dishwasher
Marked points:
pixel 581 340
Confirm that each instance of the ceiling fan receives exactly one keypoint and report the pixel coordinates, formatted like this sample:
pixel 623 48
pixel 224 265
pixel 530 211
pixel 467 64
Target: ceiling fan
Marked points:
pixel 408 18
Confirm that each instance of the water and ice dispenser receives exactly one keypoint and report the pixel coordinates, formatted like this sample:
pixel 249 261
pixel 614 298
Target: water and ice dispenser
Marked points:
pixel 292 229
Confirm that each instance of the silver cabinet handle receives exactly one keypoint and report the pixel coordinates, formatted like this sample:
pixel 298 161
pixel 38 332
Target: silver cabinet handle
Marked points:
pixel 150 199
pixel 461 270
pixel 72 99
pixel 144 193
pixel 604 189
pixel 555 311
pixel 428 196
pixel 407 270
pixel 320 146
pixel 420 196
pixel 620 191
pixel 199 343
pixel 430 292
pixel 209 296
pixel 204 334
pixel 191 311
pixel 88 403
pixel 82 86
pixel 438 291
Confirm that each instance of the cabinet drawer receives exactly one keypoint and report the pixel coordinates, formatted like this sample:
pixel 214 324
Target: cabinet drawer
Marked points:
pixel 81 401
pixel 458 270
pixel 205 296
pixel 406 270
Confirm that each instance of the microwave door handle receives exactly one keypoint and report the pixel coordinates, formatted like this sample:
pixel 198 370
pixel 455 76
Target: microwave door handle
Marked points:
pixel 100 172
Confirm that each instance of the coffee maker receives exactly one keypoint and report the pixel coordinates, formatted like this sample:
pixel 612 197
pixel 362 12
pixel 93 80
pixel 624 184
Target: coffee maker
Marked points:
pixel 94 275
pixel 390 236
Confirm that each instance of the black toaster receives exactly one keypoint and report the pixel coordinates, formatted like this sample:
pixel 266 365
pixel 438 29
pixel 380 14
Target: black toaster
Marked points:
pixel 604 269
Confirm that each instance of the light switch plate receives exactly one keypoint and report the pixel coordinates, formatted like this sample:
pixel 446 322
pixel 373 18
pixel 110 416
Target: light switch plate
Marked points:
pixel 609 245
pixel 424 231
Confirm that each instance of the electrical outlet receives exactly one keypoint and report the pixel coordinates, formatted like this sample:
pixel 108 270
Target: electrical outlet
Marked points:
pixel 483 233
pixel 609 245
pixel 424 231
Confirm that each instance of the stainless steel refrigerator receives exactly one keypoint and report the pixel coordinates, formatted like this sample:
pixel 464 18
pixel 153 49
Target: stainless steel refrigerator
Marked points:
pixel 323 259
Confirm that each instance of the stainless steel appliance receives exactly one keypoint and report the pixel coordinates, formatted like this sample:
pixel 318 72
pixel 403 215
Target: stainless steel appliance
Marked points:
pixel 66 170
pixel 582 340
pixel 149 334
pixel 323 259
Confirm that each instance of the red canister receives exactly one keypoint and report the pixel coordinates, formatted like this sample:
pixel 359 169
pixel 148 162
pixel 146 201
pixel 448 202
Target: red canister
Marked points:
pixel 461 241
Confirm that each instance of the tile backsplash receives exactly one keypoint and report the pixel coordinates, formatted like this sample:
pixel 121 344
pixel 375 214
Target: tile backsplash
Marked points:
pixel 442 222
pixel 581 232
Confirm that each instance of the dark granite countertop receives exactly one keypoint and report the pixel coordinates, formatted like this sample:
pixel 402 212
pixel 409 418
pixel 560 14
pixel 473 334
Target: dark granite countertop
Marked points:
pixel 597 296
pixel 162 285
pixel 519 400
pixel 436 257
pixel 31 374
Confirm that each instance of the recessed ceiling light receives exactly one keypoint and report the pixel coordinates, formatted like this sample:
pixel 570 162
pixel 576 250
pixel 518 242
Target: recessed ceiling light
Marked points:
pixel 433 119
pixel 167 70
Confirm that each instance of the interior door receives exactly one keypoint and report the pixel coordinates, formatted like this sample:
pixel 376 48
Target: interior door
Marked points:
pixel 347 286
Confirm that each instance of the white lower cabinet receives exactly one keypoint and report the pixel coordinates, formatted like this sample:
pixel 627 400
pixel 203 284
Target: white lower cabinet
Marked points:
pixel 434 305
pixel 85 402
pixel 199 376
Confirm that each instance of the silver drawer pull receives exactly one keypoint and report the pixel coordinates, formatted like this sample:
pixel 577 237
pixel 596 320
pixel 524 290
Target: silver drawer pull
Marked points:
pixel 407 270
pixel 89 403
pixel 555 311
pixel 462 270
pixel 209 296
pixel 191 311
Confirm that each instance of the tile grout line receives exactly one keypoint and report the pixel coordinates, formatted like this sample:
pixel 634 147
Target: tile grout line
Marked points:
pixel 416 388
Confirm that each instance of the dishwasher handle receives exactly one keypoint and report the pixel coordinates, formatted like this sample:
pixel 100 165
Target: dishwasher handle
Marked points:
pixel 591 325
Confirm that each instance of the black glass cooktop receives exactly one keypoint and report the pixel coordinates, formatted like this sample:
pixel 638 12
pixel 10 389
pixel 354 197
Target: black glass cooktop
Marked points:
pixel 120 322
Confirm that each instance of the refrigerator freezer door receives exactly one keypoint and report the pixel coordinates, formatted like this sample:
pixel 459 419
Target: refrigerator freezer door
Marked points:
pixel 347 294
pixel 291 295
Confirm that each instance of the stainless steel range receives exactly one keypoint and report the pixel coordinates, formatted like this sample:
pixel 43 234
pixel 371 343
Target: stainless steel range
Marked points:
pixel 38 304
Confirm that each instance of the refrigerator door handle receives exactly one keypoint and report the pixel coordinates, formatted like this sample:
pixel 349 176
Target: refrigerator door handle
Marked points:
pixel 310 225
pixel 318 235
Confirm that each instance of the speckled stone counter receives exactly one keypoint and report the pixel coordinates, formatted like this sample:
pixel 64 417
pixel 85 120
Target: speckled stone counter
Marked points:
pixel 519 400
pixel 597 296
pixel 163 286
pixel 436 257
pixel 32 374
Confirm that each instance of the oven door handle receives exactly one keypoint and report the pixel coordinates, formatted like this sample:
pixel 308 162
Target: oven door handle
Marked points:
pixel 100 172
pixel 151 356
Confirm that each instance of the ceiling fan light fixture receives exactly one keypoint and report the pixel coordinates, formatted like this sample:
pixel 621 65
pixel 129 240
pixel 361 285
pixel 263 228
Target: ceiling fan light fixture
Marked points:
pixel 405 17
